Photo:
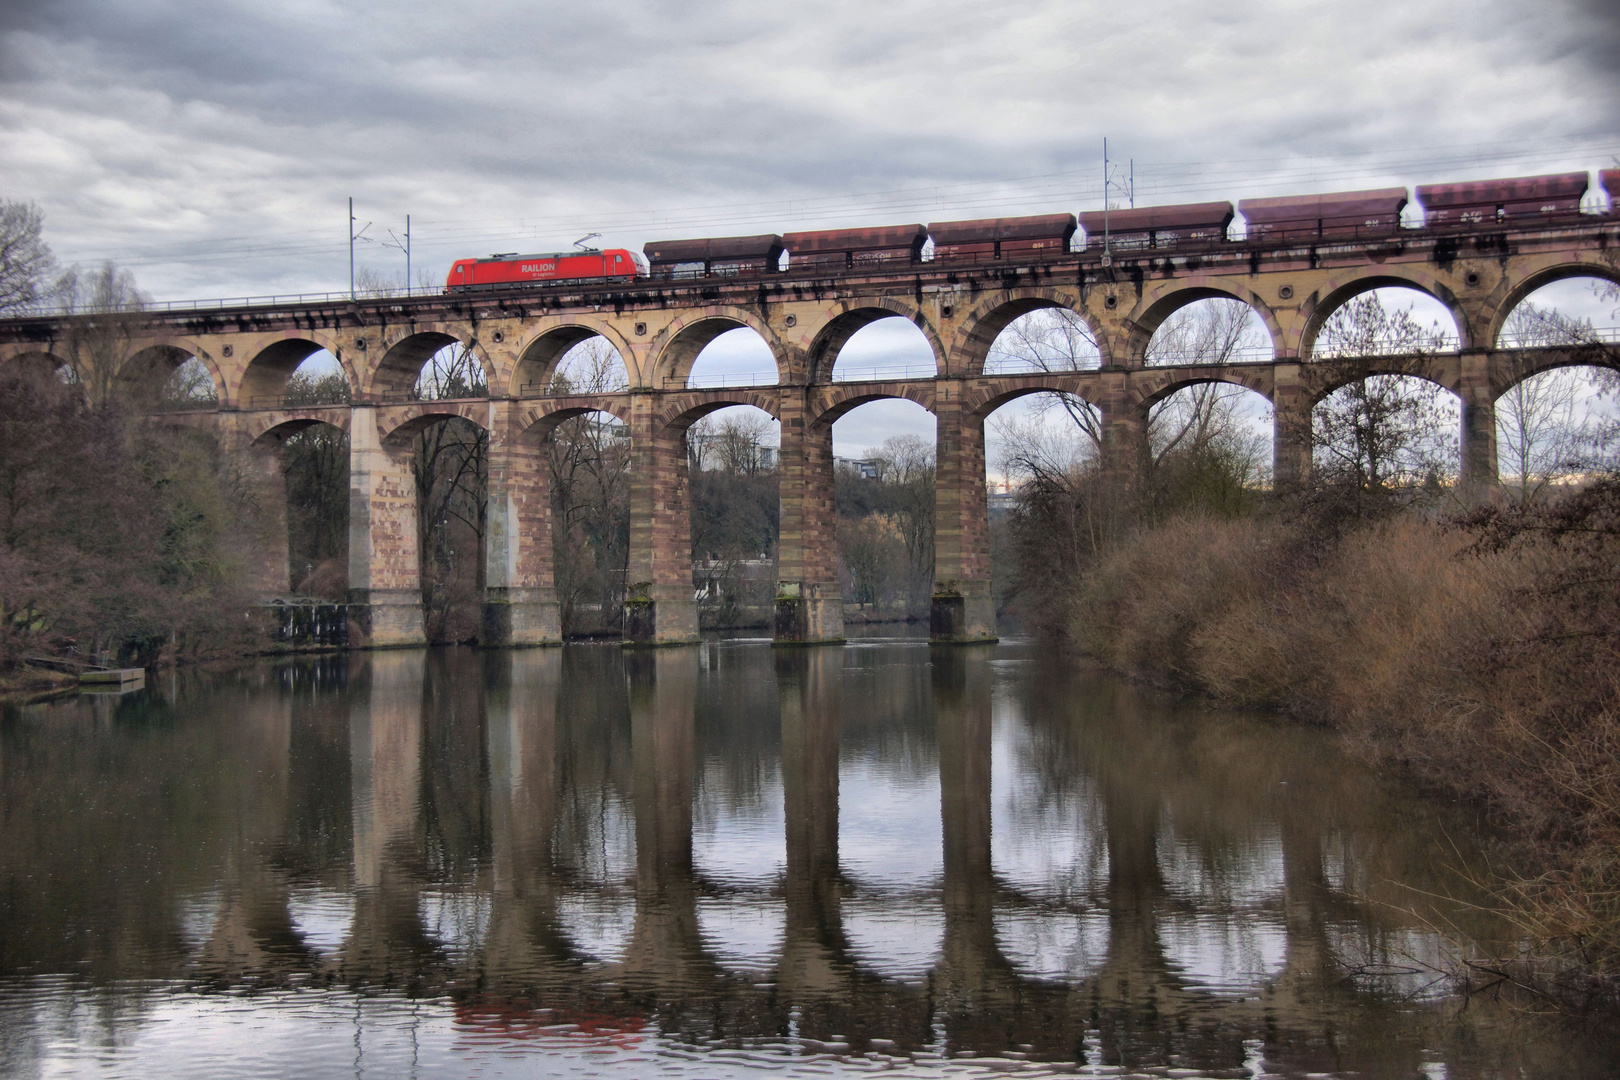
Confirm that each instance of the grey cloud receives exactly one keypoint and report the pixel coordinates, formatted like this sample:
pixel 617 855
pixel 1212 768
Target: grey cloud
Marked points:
pixel 1599 40
pixel 149 124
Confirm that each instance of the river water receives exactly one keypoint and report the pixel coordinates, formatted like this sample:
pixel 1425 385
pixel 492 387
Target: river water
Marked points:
pixel 725 860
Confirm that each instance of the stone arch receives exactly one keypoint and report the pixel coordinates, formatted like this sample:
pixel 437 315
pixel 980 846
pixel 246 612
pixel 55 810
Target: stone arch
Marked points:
pixel 978 406
pixel 843 398
pixel 676 347
pixel 993 314
pixel 400 367
pixel 1161 301
pixel 1340 290
pixel 1159 383
pixel 539 354
pixel 273 429
pixel 398 426
pixel 264 377
pixel 849 316
pixel 694 406
pixel 1519 290
pixel 1444 374
pixel 1510 370
pixel 142 375
pixel 539 422
pixel 39 357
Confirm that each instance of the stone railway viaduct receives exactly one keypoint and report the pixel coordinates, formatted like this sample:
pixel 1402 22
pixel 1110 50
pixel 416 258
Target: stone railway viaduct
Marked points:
pixel 660 326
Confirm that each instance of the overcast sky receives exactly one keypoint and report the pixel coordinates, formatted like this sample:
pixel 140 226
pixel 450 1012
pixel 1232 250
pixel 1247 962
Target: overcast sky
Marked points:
pixel 210 144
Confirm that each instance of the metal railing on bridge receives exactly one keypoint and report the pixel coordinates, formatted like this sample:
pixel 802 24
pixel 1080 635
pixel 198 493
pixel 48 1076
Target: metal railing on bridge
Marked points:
pixel 1543 338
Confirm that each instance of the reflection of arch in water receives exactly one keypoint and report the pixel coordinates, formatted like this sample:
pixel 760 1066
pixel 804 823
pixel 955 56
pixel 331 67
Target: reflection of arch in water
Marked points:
pixel 1224 953
pixel 1050 843
pixel 899 937
pixel 597 923
pixel 745 933
pixel 1062 946
pixel 888 827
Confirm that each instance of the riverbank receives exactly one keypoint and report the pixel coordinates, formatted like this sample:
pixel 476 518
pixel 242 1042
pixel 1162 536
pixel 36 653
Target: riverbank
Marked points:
pixel 21 685
pixel 1479 656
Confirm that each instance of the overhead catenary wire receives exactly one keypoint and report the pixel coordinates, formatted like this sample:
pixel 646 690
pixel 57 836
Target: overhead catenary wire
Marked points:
pixel 1158 182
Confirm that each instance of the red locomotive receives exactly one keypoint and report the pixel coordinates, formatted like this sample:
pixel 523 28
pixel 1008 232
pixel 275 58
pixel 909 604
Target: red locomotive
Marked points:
pixel 499 271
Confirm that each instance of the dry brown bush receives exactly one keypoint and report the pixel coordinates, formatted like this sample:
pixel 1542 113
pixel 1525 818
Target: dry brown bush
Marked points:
pixel 1481 657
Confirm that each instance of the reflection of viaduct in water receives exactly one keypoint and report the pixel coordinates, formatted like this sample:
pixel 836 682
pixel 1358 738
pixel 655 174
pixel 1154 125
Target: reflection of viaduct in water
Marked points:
pixel 1135 1004
pixel 806 317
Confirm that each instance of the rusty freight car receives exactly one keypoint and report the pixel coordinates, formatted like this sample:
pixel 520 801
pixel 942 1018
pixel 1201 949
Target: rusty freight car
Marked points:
pixel 1343 215
pixel 837 250
pixel 1157 226
pixel 721 256
pixel 1552 198
pixel 988 239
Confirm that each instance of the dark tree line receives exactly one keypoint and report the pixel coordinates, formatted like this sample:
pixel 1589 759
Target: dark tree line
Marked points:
pixel 120 540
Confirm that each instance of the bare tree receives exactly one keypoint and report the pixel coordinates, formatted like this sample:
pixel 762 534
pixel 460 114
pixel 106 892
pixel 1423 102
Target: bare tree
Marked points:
pixel 1051 340
pixel 735 443
pixel 905 468
pixel 1212 331
pixel 1544 434
pixel 1032 448
pixel 589 458
pixel 1386 432
pixel 452 372
pixel 1364 327
pixel 190 387
pixel 100 342
pixel 451 465
pixel 26 262
pixel 371 282
pixel 1206 418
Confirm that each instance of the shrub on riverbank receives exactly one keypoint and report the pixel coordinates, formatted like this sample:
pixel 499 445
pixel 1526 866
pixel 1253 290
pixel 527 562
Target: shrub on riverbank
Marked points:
pixel 118 538
pixel 1480 654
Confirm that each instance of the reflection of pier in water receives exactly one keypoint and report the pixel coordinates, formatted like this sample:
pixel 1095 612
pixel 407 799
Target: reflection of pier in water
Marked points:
pixel 509 849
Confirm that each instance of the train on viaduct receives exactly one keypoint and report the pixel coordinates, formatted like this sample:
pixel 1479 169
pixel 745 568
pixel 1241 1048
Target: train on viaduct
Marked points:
pixel 1478 248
